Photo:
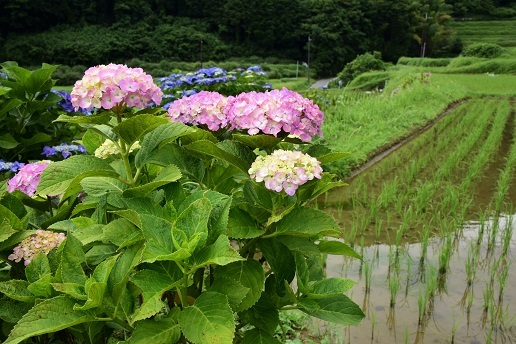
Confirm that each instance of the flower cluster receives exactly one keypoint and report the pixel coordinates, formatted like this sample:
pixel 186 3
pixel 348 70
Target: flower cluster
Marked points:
pixel 64 149
pixel 108 86
pixel 204 76
pixel 27 178
pixel 10 166
pixel 266 112
pixel 42 241
pixel 109 148
pixel 66 103
pixel 205 108
pixel 273 112
pixel 285 170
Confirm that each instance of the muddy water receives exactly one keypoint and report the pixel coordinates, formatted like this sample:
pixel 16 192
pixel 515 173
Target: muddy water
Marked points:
pixel 433 302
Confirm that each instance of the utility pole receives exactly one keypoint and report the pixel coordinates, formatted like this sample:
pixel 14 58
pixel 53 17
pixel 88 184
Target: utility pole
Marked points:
pixel 201 53
pixel 308 64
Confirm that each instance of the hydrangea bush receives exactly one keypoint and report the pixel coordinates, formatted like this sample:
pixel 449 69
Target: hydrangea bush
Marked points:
pixel 213 79
pixel 172 231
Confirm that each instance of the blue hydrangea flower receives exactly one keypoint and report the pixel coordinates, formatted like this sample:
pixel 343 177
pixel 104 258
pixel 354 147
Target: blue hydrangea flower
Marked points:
pixel 66 150
pixel 10 166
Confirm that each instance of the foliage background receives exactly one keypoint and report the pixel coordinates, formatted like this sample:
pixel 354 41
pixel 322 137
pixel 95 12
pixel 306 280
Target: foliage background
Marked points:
pixel 98 32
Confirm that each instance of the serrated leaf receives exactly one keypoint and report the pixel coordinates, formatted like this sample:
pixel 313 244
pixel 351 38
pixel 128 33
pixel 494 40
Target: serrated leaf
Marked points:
pixel 193 222
pixel 242 226
pixel 75 290
pixel 205 147
pixel 38 267
pixel 260 141
pixel 219 253
pixel 280 260
pixel 46 317
pixel 99 118
pixel 334 285
pixel 121 232
pixel 42 287
pixel 159 136
pixel 17 290
pixel 133 129
pixel 99 186
pixel 96 285
pixel 11 219
pixel 11 311
pixel 64 177
pixel 209 320
pixel 337 248
pixel 234 290
pixel 6 230
pixel 71 258
pixel 337 309
pixel 14 204
pixel 331 157
pixel 304 246
pixel 163 331
pixel 257 336
pixel 167 175
pixel 263 315
pixel 250 274
pixel 153 284
pixel 307 222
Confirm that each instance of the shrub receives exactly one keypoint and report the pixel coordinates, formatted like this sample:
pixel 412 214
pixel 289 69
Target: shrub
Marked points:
pixel 361 64
pixel 370 81
pixel 486 50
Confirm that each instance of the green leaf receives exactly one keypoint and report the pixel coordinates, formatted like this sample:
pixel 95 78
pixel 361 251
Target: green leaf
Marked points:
pixel 337 309
pixel 96 285
pixel 153 284
pixel 307 222
pixel 92 140
pixel 6 230
pixel 99 186
pixel 48 316
pixel 98 118
pixel 39 79
pixel 167 175
pixel 133 129
pixel 38 267
pixel 329 286
pixel 83 228
pixel 17 290
pixel 42 287
pixel 14 204
pixel 158 240
pixel 35 139
pixel 219 253
pixel 263 315
pixel 7 141
pixel 302 245
pixel 163 331
pixel 260 141
pixel 337 248
pixel 10 218
pixel 98 253
pixel 205 147
pixel 234 290
pixel 280 260
pixel 173 154
pixel 193 222
pixel 11 311
pixel 159 136
pixel 64 177
pixel 9 105
pixel 209 320
pixel 122 233
pixel 248 273
pixel 75 290
pixel 242 226
pixel 257 336
pixel 71 258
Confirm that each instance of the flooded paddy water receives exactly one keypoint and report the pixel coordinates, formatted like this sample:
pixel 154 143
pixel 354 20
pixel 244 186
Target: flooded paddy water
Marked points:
pixel 434 222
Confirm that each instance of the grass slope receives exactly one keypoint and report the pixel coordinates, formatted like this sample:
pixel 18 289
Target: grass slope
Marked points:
pixel 501 32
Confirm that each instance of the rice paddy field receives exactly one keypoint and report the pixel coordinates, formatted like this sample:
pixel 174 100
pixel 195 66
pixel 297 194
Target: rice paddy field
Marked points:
pixel 434 221
pixel 500 32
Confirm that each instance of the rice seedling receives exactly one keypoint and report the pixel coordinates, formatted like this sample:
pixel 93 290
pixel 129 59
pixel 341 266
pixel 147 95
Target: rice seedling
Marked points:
pixel 368 272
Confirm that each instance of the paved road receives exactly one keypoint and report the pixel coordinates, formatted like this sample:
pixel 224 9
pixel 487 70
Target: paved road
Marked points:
pixel 321 83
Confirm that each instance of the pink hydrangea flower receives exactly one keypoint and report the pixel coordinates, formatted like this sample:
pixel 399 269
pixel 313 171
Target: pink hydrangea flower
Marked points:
pixel 285 170
pixel 108 86
pixel 205 108
pixel 273 112
pixel 27 178
pixel 42 241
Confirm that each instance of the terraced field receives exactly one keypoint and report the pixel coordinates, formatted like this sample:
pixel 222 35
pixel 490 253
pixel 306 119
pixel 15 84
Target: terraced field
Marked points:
pixel 501 32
